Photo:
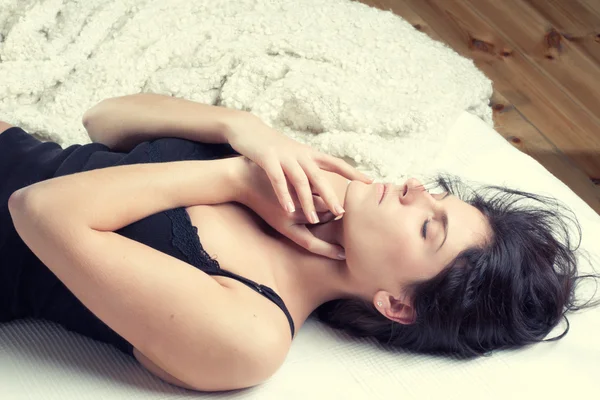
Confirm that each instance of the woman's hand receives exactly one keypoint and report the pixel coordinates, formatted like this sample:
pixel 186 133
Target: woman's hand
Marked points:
pixel 256 192
pixel 288 162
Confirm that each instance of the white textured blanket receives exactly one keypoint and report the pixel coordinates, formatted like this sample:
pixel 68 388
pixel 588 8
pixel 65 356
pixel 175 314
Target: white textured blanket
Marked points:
pixel 351 80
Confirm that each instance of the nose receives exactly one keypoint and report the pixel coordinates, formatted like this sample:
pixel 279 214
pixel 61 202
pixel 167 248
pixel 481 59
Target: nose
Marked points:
pixel 411 190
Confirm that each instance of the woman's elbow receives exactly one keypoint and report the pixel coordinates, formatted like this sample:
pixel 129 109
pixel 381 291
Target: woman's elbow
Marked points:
pixel 18 201
pixel 91 117
pixel 22 210
pixel 33 208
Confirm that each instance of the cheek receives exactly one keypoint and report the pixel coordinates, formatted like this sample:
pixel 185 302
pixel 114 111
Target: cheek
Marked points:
pixel 393 246
pixel 386 236
pixel 400 230
pixel 404 245
pixel 368 241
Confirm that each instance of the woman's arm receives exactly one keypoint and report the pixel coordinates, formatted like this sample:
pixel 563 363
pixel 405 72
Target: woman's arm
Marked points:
pixel 110 198
pixel 121 123
pixel 174 314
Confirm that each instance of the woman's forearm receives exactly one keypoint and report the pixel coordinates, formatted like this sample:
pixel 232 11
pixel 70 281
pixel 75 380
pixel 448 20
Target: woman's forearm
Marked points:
pixel 121 123
pixel 110 198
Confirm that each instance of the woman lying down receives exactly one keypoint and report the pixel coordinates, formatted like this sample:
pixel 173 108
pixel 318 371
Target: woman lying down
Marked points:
pixel 199 240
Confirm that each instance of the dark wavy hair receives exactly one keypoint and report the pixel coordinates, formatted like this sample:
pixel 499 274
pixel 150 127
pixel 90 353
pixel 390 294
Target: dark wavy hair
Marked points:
pixel 510 292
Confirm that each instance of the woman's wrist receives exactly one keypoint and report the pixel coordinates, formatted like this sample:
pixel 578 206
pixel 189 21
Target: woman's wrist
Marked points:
pixel 236 123
pixel 239 179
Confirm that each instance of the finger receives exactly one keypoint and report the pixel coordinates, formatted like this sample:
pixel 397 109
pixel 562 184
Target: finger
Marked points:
pixel 323 186
pixel 280 185
pixel 341 167
pixel 324 217
pixel 302 236
pixel 318 202
pixel 327 216
pixel 299 180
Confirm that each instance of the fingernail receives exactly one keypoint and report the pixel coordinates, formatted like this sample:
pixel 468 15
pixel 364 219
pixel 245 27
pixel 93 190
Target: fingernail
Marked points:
pixel 342 255
pixel 290 207
pixel 339 209
pixel 314 217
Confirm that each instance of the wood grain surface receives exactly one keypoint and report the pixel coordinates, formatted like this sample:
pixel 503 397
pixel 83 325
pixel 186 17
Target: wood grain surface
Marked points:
pixel 543 57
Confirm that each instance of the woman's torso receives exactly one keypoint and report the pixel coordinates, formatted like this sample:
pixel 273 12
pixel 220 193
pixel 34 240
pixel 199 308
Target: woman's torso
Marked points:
pixel 239 241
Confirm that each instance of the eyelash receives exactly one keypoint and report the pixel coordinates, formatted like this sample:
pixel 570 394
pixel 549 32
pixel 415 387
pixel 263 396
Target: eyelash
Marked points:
pixel 424 229
pixel 427 221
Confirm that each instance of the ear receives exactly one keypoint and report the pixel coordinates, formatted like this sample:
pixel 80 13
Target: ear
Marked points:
pixel 393 308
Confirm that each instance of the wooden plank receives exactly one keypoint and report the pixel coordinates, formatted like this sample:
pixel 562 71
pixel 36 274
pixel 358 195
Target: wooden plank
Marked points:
pixel 511 124
pixel 593 6
pixel 574 22
pixel 523 28
pixel 542 103
pixel 570 15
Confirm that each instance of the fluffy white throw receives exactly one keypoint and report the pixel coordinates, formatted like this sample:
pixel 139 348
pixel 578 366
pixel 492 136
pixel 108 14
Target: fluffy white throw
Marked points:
pixel 351 80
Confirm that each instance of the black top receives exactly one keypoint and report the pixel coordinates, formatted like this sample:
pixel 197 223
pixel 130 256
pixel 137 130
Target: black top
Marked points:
pixel 29 289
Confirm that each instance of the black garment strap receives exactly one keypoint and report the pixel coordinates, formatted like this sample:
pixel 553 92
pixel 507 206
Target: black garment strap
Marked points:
pixel 185 238
pixel 262 289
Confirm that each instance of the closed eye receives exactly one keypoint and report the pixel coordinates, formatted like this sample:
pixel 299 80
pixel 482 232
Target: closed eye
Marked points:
pixel 427 221
pixel 424 229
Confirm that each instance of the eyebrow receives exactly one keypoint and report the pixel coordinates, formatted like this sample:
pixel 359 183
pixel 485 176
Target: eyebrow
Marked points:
pixel 444 223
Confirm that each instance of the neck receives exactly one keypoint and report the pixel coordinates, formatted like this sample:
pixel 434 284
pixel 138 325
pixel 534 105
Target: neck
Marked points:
pixel 310 279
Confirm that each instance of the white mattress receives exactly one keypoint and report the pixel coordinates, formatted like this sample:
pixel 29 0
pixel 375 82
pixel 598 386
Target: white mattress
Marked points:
pixel 42 361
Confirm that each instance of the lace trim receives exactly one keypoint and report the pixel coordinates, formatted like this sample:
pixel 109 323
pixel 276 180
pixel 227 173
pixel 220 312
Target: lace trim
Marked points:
pixel 184 233
pixel 185 238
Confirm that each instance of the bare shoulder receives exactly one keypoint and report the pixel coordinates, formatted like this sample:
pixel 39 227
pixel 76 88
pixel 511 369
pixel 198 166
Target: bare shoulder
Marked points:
pixel 4 126
pixel 253 349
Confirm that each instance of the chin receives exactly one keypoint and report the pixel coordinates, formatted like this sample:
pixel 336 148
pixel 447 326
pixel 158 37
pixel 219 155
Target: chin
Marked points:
pixel 354 188
pixel 351 219
pixel 357 195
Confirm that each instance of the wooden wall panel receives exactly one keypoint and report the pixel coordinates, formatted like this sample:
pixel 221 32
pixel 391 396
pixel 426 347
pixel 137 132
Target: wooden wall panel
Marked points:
pixel 544 59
